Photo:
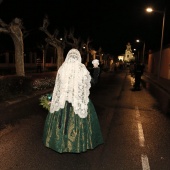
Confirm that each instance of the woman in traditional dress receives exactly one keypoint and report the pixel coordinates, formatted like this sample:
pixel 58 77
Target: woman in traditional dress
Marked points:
pixel 72 124
pixel 96 71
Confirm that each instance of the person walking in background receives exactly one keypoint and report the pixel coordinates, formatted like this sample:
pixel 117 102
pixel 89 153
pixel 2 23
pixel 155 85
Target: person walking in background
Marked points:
pixel 131 68
pixel 111 68
pixel 39 65
pixel 138 71
pixel 72 124
pixel 96 71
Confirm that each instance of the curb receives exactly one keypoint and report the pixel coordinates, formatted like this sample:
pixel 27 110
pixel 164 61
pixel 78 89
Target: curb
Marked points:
pixel 165 109
pixel 16 100
pixel 158 84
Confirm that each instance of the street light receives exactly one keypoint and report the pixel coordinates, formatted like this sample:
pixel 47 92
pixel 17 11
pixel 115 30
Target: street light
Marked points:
pixel 143 52
pixel 162 37
pixel 137 56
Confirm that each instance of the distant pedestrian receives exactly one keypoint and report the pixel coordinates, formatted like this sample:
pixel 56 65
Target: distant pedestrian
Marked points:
pixel 131 68
pixel 138 71
pixel 96 71
pixel 111 68
pixel 39 65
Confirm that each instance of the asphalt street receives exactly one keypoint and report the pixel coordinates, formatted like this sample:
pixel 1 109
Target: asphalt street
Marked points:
pixel 136 133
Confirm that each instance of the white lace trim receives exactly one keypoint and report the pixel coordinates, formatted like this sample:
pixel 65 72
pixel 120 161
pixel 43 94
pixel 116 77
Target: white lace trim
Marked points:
pixel 72 84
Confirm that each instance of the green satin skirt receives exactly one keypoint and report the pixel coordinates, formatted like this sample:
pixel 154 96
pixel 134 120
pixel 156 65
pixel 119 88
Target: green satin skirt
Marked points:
pixel 64 131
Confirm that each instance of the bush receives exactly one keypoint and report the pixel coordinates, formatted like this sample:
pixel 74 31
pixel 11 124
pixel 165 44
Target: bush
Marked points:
pixel 12 86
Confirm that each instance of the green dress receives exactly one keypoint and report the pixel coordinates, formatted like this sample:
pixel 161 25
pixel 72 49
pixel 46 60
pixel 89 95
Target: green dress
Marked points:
pixel 64 131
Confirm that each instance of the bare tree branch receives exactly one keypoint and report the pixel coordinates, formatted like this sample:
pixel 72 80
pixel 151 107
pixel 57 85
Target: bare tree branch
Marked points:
pixel 3 24
pixel 3 30
pixel 72 41
pixel 46 22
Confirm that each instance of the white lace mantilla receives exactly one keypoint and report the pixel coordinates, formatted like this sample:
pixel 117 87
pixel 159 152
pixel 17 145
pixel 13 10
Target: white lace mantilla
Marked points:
pixel 72 84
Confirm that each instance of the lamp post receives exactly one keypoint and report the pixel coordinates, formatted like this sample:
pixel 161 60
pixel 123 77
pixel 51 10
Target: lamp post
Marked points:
pixel 143 51
pixel 137 55
pixel 162 36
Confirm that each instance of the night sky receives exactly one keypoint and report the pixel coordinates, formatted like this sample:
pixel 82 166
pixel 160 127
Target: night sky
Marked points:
pixel 111 24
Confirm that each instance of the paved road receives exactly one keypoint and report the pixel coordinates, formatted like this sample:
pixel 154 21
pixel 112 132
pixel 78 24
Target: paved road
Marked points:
pixel 136 133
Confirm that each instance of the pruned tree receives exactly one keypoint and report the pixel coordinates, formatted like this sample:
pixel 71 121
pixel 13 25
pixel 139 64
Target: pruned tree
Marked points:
pixel 72 41
pixel 54 41
pixel 100 53
pixel 14 29
pixel 44 51
pixel 87 47
pixel 79 44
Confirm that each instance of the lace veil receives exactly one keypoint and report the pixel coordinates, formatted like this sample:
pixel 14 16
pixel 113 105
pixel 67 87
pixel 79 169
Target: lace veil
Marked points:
pixel 72 84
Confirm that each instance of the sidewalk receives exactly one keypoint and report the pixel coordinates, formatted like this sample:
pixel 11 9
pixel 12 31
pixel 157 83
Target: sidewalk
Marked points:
pixel 161 82
pixel 34 93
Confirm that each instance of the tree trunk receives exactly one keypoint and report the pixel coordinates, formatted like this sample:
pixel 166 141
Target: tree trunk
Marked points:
pixel 14 30
pixel 17 37
pixel 60 58
pixel 19 58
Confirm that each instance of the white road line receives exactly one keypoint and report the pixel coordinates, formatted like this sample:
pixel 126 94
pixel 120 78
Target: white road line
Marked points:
pixel 145 162
pixel 144 158
pixel 141 135
pixel 140 129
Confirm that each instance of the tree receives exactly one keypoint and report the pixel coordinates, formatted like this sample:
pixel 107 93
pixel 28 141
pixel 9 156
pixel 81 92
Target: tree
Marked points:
pixel 54 41
pixel 87 48
pixel 72 41
pixel 79 44
pixel 14 29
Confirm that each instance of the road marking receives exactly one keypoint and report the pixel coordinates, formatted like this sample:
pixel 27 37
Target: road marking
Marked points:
pixel 141 135
pixel 144 158
pixel 140 129
pixel 145 162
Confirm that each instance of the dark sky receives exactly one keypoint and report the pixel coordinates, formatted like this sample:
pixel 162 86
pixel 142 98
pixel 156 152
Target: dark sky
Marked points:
pixel 110 23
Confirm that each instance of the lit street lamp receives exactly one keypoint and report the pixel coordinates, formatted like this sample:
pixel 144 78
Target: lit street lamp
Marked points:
pixel 143 52
pixel 162 37
pixel 137 56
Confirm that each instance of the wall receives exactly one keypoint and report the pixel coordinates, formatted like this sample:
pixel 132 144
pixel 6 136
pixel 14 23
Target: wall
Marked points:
pixel 153 63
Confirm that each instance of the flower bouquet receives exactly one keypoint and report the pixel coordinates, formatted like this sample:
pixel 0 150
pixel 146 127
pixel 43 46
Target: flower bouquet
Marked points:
pixel 45 101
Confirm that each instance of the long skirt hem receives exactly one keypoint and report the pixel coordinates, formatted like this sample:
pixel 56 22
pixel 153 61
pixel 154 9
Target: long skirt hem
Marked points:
pixel 64 131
